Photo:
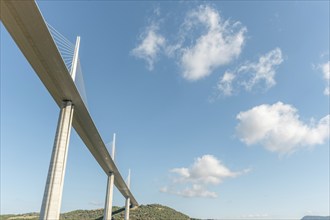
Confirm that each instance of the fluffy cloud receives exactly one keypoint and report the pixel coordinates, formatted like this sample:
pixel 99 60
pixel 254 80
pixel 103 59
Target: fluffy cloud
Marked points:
pixel 222 42
pixel 251 74
pixel 194 191
pixel 150 46
pixel 278 128
pixel 225 84
pixel 198 52
pixel 326 75
pixel 206 170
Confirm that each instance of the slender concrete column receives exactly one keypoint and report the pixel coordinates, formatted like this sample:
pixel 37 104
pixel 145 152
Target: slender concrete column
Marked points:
pixel 52 199
pixel 108 199
pixel 128 202
pixel 109 194
pixel 127 206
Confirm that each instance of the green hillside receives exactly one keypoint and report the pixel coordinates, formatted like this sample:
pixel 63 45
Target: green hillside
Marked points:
pixel 316 218
pixel 145 212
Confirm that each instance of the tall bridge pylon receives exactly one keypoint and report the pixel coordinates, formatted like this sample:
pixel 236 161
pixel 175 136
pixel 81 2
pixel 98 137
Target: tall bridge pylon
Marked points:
pixel 51 203
pixel 110 181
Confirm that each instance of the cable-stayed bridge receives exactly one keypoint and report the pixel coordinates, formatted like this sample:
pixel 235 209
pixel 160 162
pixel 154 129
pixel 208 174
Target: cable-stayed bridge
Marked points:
pixel 56 62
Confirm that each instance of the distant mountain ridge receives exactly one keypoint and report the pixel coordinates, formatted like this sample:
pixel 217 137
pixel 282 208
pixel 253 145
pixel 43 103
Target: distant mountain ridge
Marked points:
pixel 310 217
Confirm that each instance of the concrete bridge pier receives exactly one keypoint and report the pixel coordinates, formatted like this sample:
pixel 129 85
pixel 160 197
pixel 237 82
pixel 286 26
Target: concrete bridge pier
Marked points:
pixel 52 199
pixel 128 202
pixel 109 194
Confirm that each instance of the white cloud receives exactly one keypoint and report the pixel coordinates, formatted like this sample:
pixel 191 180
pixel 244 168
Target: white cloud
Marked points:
pixel 184 172
pixel 150 46
pixel 225 83
pixel 197 191
pixel 222 42
pixel 164 189
pixel 194 191
pixel 204 42
pixel 264 70
pixel 251 74
pixel 255 216
pixel 206 170
pixel 279 129
pixel 326 75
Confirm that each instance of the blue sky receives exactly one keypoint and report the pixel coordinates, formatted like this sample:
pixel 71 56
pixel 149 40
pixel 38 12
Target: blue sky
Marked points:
pixel 221 109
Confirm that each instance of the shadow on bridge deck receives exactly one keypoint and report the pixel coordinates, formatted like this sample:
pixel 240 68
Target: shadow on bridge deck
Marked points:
pixel 117 212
